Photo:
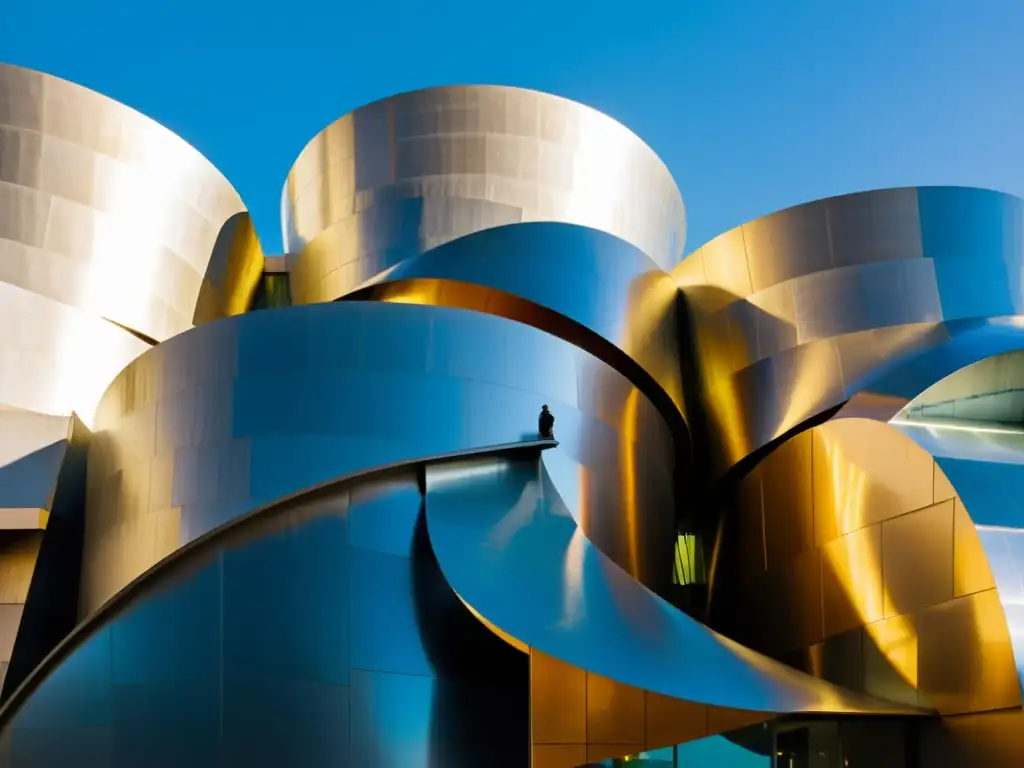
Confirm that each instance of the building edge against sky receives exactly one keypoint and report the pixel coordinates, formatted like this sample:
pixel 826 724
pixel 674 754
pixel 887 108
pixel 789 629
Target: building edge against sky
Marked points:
pixel 294 510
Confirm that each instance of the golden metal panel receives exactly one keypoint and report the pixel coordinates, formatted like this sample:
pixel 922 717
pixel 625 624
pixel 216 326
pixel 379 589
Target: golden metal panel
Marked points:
pixel 787 500
pixel 750 530
pixel 673 721
pixel 599 752
pixel 725 264
pixel 865 472
pixel 917 559
pixel 851 576
pixel 840 659
pixel 943 489
pixel 890 659
pixel 615 713
pixel 996 684
pixel 796 598
pixel 971 570
pixel 558 701
pixel 18 553
pixel 722 720
pixel 980 673
pixel 559 755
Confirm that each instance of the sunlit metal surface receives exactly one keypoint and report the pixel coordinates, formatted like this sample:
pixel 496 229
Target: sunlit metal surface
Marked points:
pixel 101 208
pixel 852 556
pixel 991 390
pixel 506 538
pixel 235 414
pixel 795 313
pixel 409 173
pixel 233 274
pixel 320 632
pixel 56 359
pixel 562 273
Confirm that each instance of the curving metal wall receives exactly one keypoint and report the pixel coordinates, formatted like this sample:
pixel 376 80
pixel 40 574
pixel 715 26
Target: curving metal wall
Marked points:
pixel 580 284
pixel 406 174
pixel 107 225
pixel 850 555
pixel 233 415
pixel 797 312
pixel 318 633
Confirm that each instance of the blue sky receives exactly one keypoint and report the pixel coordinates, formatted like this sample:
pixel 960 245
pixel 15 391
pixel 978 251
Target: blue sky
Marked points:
pixel 754 105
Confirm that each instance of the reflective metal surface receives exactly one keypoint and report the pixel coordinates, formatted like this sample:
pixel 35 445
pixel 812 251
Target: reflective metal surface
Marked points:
pixel 873 575
pixel 320 632
pixel 101 208
pixel 797 312
pixel 406 174
pixel 991 390
pixel 561 273
pixel 507 540
pixel 56 359
pixel 235 414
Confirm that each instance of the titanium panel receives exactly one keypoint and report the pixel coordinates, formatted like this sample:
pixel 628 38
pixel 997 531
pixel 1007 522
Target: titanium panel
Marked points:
pixel 239 652
pixel 894 541
pixel 103 209
pixel 917 559
pixel 233 415
pixel 559 273
pixel 508 543
pixel 880 293
pixel 615 713
pixel 558 701
pixel 55 359
pixel 401 176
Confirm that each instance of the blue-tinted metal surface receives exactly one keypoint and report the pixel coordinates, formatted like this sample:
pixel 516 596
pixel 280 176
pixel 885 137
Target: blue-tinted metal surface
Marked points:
pixel 319 632
pixel 233 415
pixel 506 537
pixel 865 294
pixel 604 284
pixel 985 465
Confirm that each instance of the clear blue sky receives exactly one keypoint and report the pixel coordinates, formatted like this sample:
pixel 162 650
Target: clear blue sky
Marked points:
pixel 753 105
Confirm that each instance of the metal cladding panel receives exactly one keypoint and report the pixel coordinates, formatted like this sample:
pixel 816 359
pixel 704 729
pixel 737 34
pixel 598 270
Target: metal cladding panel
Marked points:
pixel 868 295
pixel 409 173
pixel 103 209
pixel 904 582
pixel 231 416
pixel 240 655
pixel 612 294
pixel 506 538
pixel 56 359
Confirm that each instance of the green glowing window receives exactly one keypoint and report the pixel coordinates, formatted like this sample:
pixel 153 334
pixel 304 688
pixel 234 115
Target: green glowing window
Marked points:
pixel 689 561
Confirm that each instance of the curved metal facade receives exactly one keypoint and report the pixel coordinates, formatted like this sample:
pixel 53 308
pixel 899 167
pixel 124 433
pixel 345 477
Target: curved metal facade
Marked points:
pixel 798 312
pixel 234 415
pixel 108 222
pixel 406 174
pixel 329 534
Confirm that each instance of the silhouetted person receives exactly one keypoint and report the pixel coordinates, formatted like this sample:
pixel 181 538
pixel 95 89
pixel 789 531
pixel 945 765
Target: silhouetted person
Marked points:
pixel 546 424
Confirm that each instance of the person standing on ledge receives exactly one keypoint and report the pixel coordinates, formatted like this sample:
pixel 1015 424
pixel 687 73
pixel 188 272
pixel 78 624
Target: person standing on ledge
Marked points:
pixel 546 424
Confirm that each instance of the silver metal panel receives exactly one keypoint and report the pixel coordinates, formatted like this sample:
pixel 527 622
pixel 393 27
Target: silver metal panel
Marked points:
pixel 236 414
pixel 904 286
pixel 587 276
pixel 103 209
pixel 239 654
pixel 22 432
pixel 55 359
pixel 409 173
pixel 508 543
